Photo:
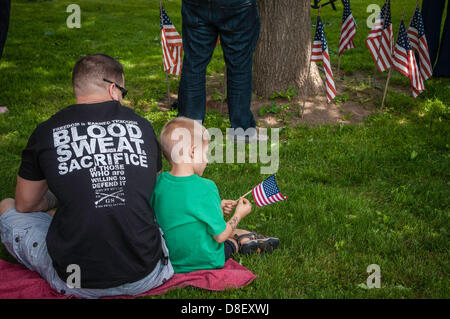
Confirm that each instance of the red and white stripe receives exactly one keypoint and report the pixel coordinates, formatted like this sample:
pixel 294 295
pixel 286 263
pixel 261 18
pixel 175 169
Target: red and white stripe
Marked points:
pixel 172 36
pixel 317 56
pixel 405 62
pixel 172 47
pixel 377 28
pixel 348 32
pixel 420 45
pixel 177 60
pixel 262 200
pixel 380 44
pixel 167 57
pixel 381 48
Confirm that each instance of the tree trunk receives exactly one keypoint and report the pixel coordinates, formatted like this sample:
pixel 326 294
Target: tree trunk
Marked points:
pixel 284 49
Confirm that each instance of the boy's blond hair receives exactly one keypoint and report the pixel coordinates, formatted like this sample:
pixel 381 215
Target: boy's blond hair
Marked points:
pixel 172 130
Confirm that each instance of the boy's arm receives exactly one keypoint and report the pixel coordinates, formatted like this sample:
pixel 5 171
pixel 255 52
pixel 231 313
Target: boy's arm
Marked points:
pixel 243 209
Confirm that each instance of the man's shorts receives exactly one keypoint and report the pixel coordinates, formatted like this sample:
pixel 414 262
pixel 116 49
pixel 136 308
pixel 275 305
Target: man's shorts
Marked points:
pixel 24 235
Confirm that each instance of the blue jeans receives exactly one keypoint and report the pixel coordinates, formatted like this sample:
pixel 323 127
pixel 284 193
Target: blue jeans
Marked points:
pixel 432 11
pixel 237 23
pixel 5 8
pixel 23 235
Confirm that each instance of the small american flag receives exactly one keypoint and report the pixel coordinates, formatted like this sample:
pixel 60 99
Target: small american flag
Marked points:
pixel 348 29
pixel 380 39
pixel 416 34
pixel 320 53
pixel 267 192
pixel 405 62
pixel 172 45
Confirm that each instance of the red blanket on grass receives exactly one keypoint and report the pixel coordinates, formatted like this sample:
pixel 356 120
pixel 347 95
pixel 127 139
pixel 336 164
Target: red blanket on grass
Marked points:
pixel 18 282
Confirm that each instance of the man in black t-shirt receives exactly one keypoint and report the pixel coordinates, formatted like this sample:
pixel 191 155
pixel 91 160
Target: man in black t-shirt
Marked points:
pixel 100 160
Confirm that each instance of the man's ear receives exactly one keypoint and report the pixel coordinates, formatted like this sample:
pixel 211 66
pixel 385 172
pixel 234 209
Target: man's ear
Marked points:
pixel 113 93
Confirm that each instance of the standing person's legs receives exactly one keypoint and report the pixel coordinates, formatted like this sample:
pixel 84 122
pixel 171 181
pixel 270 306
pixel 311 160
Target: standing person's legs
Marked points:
pixel 199 41
pixel 432 15
pixel 5 8
pixel 239 28
pixel 443 64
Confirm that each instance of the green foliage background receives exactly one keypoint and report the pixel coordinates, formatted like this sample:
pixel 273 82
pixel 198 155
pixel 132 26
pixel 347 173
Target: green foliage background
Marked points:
pixel 358 194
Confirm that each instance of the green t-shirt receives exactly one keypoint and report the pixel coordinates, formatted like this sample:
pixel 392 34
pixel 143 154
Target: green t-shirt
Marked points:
pixel 188 211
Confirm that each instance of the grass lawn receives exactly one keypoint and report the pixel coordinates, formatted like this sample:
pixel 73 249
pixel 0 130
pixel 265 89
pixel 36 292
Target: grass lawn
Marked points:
pixel 370 193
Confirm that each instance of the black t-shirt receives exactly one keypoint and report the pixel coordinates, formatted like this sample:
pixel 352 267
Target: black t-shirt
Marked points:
pixel 100 160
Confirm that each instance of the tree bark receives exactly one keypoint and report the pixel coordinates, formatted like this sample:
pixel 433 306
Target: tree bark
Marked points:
pixel 284 49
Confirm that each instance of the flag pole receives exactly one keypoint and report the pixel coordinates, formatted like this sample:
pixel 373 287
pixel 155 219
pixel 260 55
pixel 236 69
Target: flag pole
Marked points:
pixel 339 64
pixel 390 69
pixel 308 76
pixel 324 84
pixel 385 88
pixel 417 5
pixel 167 76
pixel 168 89
pixel 245 194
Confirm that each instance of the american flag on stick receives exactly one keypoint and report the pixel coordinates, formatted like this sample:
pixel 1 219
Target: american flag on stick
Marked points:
pixel 416 35
pixel 348 29
pixel 267 192
pixel 405 62
pixel 320 53
pixel 172 45
pixel 380 39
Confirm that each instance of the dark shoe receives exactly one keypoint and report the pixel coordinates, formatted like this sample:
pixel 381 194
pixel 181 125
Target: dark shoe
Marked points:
pixel 257 243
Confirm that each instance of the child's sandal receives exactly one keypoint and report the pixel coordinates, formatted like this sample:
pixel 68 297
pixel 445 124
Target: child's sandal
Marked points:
pixel 257 243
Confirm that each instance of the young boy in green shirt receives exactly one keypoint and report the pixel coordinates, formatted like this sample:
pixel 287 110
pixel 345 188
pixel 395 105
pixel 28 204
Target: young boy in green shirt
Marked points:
pixel 188 207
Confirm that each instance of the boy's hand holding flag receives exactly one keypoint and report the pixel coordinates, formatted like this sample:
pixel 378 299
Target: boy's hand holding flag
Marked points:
pixel 267 192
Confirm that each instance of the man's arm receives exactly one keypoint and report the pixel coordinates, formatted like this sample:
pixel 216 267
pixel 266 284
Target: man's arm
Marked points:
pixel 30 195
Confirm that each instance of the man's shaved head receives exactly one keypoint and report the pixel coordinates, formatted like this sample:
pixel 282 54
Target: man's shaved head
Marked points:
pixel 89 72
